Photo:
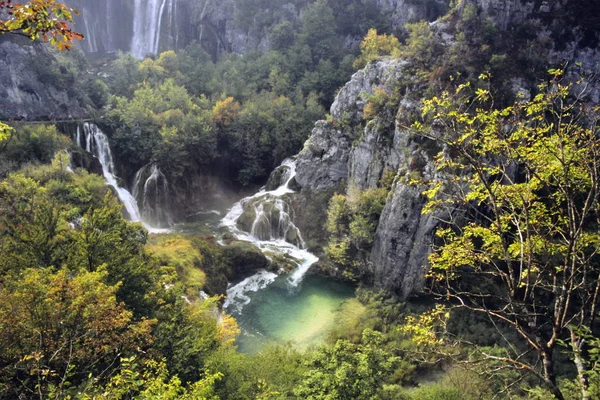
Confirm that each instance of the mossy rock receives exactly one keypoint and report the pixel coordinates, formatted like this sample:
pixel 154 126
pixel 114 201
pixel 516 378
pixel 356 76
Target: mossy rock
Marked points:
pixel 246 220
pixel 276 178
pixel 292 236
pixel 294 185
pixel 283 262
pixel 243 259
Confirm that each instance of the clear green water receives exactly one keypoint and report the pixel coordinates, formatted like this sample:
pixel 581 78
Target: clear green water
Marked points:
pixel 302 315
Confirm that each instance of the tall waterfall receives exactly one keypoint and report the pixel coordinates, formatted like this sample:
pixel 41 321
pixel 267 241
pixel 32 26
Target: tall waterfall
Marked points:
pixel 151 191
pixel 148 25
pixel 104 25
pixel 95 142
pixel 272 230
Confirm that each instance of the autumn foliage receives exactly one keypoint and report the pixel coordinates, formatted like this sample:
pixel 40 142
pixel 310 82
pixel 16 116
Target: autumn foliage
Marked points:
pixel 40 19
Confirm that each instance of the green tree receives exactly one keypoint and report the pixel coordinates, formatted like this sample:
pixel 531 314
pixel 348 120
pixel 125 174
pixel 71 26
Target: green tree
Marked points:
pixel 58 327
pixel 348 371
pixel 421 46
pixel 374 46
pixel 186 335
pixel 151 380
pixel 282 36
pixel 528 179
pixel 318 31
pixel 351 224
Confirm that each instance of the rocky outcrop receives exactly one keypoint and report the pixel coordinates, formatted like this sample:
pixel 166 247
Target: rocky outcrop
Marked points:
pixel 323 163
pixel 344 152
pixel 349 151
pixel 32 85
pixel 403 242
pixel 349 103
pixel 400 12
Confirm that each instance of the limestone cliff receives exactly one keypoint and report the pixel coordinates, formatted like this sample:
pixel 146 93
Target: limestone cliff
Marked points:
pixel 32 85
pixel 353 154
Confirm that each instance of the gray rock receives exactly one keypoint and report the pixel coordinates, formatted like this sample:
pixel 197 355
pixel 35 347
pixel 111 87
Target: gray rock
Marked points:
pixel 506 12
pixel 25 93
pixel 349 103
pixel 402 242
pixel 400 12
pixel 323 163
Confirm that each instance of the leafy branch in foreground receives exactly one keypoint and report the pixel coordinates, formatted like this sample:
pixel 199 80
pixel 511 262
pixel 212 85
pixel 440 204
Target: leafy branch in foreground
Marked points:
pixel 40 19
pixel 526 178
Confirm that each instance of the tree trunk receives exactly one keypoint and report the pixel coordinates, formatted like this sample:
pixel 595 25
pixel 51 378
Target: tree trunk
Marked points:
pixel 576 345
pixel 549 376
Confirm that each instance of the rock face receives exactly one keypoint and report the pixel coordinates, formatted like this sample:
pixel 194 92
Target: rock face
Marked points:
pixel 402 242
pixel 401 12
pixel 323 164
pixel 30 88
pixel 343 153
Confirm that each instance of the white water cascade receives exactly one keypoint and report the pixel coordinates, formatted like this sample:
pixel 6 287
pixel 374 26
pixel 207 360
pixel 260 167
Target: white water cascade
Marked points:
pixel 95 142
pixel 97 19
pixel 151 190
pixel 273 232
pixel 147 25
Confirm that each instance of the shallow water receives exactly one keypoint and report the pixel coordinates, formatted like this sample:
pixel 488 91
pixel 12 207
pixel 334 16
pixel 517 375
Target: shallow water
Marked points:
pixel 281 313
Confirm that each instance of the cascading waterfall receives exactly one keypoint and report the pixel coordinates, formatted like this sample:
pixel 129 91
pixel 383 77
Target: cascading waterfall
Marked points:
pixel 151 190
pixel 273 222
pixel 95 142
pixel 147 25
pixel 272 231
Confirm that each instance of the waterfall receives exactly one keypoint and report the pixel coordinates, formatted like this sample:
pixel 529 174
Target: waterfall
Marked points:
pixel 147 25
pixel 90 32
pixel 96 143
pixel 100 20
pixel 151 190
pixel 272 231
pixel 273 222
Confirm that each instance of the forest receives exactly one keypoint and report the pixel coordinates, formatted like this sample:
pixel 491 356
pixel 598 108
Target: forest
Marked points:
pixel 285 199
